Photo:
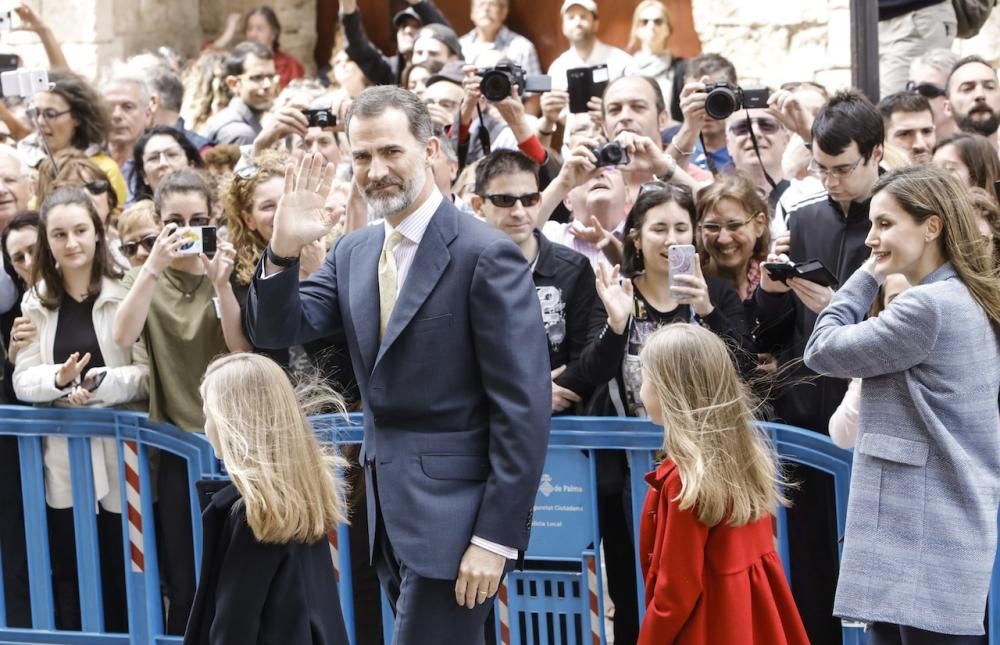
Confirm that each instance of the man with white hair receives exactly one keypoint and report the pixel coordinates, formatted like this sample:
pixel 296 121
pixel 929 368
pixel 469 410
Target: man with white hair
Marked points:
pixel 16 189
pixel 126 96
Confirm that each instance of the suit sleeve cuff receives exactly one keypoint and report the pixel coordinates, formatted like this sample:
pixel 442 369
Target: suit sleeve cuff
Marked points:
pixel 493 547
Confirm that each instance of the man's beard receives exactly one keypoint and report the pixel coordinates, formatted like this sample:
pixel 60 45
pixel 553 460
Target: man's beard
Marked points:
pixel 986 127
pixel 389 204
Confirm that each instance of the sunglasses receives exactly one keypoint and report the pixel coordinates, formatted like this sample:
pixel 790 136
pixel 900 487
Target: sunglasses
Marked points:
pixel 503 200
pixel 129 249
pixel 764 126
pixel 97 187
pixel 926 90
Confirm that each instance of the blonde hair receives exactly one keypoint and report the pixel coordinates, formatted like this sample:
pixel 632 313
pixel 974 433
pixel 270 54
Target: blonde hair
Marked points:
pixel 633 39
pixel 289 484
pixel 140 214
pixel 727 467
pixel 926 190
pixel 237 199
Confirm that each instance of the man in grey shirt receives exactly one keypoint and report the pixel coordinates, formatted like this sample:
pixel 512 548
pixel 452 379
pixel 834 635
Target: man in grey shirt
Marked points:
pixel 251 77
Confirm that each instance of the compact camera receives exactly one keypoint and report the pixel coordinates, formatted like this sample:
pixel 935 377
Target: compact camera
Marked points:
pixel 724 98
pixel 197 239
pixel 498 81
pixel 24 83
pixel 611 154
pixel 321 118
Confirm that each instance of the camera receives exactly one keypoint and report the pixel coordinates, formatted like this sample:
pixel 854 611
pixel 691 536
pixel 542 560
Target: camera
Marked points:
pixel 724 98
pixel 611 154
pixel 498 81
pixel 321 118
pixel 197 239
pixel 24 82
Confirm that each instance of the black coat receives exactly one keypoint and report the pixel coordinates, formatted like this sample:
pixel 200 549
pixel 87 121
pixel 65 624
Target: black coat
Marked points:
pixel 250 592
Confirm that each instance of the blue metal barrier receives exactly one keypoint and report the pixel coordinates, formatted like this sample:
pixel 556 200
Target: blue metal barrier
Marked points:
pixel 538 604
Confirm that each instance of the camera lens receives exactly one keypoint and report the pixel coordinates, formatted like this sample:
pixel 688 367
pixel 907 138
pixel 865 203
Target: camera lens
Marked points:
pixel 720 103
pixel 495 86
pixel 612 154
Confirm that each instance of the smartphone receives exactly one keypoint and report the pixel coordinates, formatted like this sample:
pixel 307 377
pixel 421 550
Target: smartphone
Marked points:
pixel 197 239
pixel 811 270
pixel 91 383
pixel 8 62
pixel 681 259
pixel 583 83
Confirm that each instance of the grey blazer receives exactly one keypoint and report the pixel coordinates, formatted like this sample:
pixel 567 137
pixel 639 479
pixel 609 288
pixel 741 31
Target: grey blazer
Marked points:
pixel 922 515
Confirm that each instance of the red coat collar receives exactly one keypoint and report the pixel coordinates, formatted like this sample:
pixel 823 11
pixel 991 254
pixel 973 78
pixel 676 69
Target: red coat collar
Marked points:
pixel 658 476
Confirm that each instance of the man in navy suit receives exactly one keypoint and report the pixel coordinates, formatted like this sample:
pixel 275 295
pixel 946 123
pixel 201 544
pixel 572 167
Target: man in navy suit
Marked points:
pixel 449 351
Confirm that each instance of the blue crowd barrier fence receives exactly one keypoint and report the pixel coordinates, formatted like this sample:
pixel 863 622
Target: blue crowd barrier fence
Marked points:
pixel 558 598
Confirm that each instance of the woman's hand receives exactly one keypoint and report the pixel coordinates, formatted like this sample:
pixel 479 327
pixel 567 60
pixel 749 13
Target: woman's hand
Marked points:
pixel 220 267
pixel 71 369
pixel 21 334
pixel 693 290
pixel 617 296
pixel 79 396
pixel 165 250
pixel 769 285
pixel 814 296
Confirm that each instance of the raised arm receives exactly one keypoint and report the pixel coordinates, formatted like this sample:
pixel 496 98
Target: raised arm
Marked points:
pixel 30 21
pixel 369 58
pixel 131 316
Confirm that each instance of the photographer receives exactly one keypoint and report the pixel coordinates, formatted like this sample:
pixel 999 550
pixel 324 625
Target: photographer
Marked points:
pixel 700 138
pixel 579 26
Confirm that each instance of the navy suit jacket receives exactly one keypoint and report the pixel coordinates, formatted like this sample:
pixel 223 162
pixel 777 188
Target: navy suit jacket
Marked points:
pixel 457 395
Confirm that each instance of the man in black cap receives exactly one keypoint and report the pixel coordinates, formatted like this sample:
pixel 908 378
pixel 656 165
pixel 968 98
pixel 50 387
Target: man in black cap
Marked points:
pixel 437 42
pixel 379 68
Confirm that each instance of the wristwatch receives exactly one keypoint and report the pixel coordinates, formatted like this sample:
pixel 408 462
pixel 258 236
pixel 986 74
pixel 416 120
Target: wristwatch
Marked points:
pixel 280 261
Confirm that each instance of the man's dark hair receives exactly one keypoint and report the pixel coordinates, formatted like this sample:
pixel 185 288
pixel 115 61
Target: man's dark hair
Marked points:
pixel 709 65
pixel 502 162
pixel 168 88
pixel 374 101
pixel 237 56
pixel 907 102
pixel 267 13
pixel 86 106
pixel 661 105
pixel 962 62
pixel 848 116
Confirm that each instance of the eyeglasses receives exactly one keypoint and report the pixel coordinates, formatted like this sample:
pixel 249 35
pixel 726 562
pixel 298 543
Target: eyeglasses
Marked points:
pixel 765 126
pixel 97 187
pixel 926 90
pixel 48 115
pixel 129 249
pixel 650 21
pixel 261 79
pixel 503 200
pixel 657 185
pixel 714 228
pixel 840 172
pixel 170 154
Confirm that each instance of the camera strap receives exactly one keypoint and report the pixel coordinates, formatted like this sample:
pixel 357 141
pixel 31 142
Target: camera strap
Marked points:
pixel 709 162
pixel 483 133
pixel 45 146
pixel 756 149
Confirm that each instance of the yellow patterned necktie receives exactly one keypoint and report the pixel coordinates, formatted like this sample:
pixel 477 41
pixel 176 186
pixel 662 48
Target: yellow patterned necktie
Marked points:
pixel 387 280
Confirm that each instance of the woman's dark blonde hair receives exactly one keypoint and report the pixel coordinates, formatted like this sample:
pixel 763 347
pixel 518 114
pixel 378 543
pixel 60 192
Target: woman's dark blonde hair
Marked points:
pixel 737 188
pixel 73 165
pixel 237 199
pixel 289 484
pixel 44 264
pixel 728 469
pixel 924 191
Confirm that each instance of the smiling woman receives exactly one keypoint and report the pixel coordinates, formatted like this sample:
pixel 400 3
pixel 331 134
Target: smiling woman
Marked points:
pixel 158 151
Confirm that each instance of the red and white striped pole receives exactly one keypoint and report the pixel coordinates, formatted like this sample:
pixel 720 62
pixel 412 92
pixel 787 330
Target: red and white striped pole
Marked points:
pixel 504 609
pixel 134 500
pixel 595 614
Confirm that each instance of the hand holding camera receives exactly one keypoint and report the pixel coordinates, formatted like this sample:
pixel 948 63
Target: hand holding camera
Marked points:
pixel 220 267
pixel 166 249
pixel 278 125
pixel 789 112
pixel 553 106
pixel 580 166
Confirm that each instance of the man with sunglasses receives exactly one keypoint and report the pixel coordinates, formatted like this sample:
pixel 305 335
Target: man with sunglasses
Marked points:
pixel 929 78
pixel 847 138
pixel 251 77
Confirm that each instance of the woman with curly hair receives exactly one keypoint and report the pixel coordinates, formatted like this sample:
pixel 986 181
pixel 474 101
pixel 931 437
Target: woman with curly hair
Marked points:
pixel 71 115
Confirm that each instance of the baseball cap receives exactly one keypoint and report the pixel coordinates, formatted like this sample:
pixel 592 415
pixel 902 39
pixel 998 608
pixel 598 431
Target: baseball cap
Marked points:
pixel 409 12
pixel 443 34
pixel 451 72
pixel 589 5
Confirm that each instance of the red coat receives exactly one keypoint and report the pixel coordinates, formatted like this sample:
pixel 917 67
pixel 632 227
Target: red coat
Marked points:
pixel 706 586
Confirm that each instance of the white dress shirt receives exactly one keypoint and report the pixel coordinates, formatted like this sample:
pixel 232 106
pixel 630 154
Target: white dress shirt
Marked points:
pixel 619 63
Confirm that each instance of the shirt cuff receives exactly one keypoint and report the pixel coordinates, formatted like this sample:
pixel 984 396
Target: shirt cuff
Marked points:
pixel 493 547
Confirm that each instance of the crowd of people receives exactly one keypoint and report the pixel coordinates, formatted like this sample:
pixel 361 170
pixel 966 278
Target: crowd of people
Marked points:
pixel 648 222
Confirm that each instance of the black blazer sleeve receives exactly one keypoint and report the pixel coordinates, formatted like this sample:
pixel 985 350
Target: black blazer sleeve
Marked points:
pixel 375 65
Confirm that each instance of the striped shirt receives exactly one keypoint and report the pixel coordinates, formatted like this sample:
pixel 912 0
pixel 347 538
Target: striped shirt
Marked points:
pixel 412 228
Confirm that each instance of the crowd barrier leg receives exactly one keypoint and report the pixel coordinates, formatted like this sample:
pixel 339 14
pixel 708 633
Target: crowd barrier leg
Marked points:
pixel 36 533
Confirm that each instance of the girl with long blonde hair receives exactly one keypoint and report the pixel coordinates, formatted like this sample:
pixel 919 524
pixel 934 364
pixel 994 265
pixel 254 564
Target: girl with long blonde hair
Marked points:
pixel 706 542
pixel 916 564
pixel 266 554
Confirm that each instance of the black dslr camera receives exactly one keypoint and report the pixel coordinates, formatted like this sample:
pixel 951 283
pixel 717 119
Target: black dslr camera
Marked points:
pixel 321 118
pixel 611 154
pixel 498 80
pixel 724 98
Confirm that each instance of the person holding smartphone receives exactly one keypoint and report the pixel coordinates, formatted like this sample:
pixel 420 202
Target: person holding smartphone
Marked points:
pixel 72 361
pixel 183 306
pixel 664 284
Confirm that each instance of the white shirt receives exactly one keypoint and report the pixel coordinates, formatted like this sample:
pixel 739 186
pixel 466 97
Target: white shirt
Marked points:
pixel 412 228
pixel 558 233
pixel 618 61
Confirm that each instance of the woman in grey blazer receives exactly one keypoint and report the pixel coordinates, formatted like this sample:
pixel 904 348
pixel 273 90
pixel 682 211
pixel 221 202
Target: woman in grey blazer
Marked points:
pixel 922 516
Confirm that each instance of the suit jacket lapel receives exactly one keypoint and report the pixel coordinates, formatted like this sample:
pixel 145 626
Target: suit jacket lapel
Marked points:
pixel 429 263
pixel 364 297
